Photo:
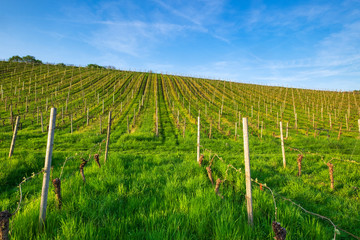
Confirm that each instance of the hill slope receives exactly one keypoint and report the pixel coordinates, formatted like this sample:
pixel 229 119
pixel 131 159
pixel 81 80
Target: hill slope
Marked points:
pixel 151 186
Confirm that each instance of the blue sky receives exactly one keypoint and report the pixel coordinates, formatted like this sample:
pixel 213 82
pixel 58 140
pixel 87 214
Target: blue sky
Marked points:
pixel 307 44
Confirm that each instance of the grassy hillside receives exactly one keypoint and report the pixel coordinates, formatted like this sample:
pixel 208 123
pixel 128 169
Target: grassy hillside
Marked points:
pixel 151 186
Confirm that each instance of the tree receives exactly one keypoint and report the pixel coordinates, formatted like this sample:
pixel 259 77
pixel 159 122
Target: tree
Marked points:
pixel 25 59
pixel 94 66
pixel 31 59
pixel 15 59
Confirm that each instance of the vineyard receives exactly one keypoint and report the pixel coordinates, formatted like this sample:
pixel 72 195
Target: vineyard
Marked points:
pixel 140 155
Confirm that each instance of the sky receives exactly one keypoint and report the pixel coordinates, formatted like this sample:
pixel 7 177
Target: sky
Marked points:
pixel 306 44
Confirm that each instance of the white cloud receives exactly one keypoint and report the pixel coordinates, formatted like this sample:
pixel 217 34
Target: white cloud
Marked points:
pixel 135 38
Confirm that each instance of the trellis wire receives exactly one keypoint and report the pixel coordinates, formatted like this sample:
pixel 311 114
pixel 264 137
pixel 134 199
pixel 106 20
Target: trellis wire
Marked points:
pixel 336 229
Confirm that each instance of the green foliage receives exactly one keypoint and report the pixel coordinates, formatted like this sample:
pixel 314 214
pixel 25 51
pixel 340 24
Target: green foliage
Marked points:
pixel 95 66
pixel 25 59
pixel 61 65
pixel 15 59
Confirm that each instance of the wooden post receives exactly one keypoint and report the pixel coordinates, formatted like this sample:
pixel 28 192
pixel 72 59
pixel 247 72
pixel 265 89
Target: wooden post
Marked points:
pixel 62 114
pixel 128 129
pixel 71 120
pixel 108 137
pixel 347 122
pixel 210 130
pixel 42 122
pixel 14 136
pixel 46 104
pixel 100 123
pixel 157 121
pixel 45 185
pixel 184 127
pixel 103 106
pixel 235 131
pixel 331 174
pixel 134 118
pixel 287 130
pixel 178 119
pixel 247 171
pixel 11 117
pixel 87 117
pixel 219 120
pixel 198 140
pixel 282 145
pixel 262 127
pixel 339 132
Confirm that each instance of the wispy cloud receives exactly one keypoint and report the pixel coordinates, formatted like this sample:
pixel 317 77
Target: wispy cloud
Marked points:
pixel 205 15
pixel 291 18
pixel 201 13
pixel 135 37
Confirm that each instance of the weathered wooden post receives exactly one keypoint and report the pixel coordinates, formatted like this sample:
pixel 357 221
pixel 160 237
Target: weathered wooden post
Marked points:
pixel 247 171
pixel 235 131
pixel 11 117
pixel 331 174
pixel 100 123
pixel 14 136
pixel 46 105
pixel 62 114
pixel 42 122
pixel 184 127
pixel 27 107
pixel 219 120
pixel 178 119
pixel 339 135
pixel 282 145
pixel 66 105
pixel 157 120
pixel 108 137
pixel 71 123
pixel 198 140
pixel 128 129
pixel 103 107
pixel 134 118
pixel 87 117
pixel 210 130
pixel 347 122
pixel 45 185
